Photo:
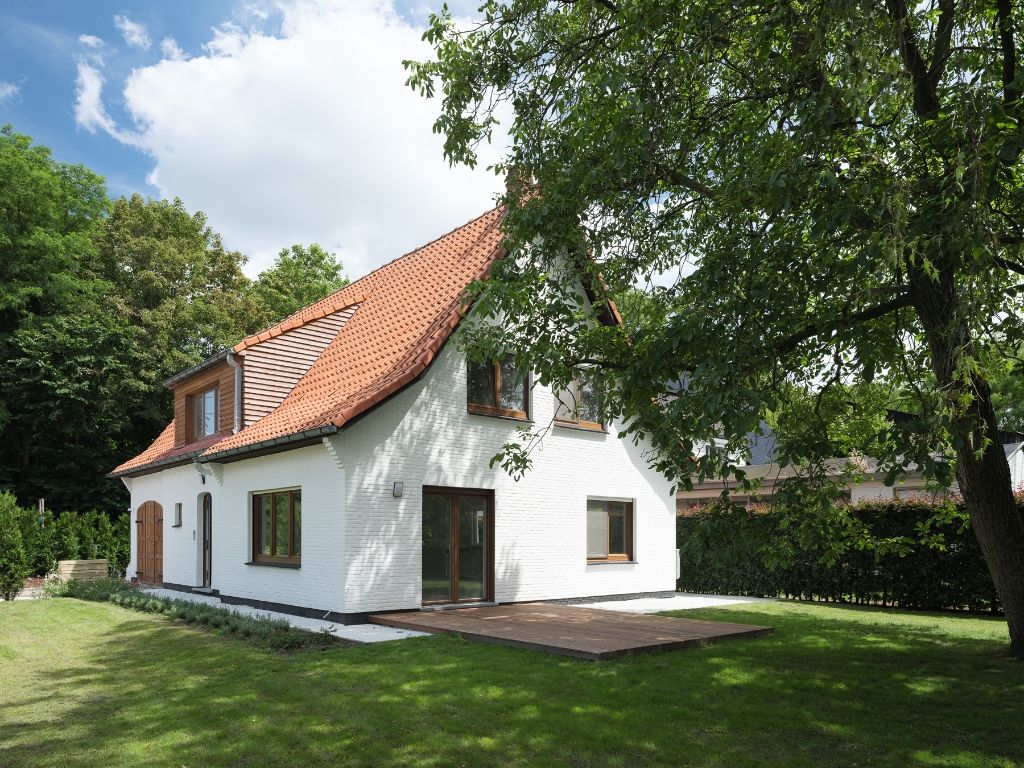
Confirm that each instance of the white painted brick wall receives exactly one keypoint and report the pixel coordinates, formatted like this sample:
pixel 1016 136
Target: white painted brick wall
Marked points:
pixel 370 558
pixel 424 436
pixel 317 584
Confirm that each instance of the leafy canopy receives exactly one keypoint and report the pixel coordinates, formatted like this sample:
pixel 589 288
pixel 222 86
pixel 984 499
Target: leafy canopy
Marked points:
pixel 809 194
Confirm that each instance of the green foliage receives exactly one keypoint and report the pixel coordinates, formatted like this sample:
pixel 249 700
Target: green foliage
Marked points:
pixel 276 634
pixel 300 276
pixel 812 194
pixel 14 562
pixel 904 553
pixel 100 302
pixel 70 536
pixel 782 186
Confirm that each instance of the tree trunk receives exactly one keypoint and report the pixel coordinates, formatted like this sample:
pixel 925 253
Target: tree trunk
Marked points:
pixel 984 479
pixel 982 470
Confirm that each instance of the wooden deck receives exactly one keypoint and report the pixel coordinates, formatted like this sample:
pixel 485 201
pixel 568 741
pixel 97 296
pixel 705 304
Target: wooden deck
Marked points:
pixel 587 633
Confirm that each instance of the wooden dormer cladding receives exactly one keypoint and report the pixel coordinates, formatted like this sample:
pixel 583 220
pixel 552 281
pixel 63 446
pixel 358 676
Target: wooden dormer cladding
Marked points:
pixel 219 375
pixel 273 367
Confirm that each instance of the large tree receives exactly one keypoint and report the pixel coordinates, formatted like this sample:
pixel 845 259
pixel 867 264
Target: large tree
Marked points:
pixel 300 276
pixel 841 181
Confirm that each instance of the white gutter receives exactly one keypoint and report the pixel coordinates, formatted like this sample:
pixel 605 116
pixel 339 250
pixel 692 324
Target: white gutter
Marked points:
pixel 233 362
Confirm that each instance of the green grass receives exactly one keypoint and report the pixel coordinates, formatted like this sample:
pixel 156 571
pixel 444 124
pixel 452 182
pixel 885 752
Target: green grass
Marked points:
pixel 93 684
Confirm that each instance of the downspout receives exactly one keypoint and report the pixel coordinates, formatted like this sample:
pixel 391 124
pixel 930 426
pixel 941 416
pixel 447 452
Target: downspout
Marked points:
pixel 233 362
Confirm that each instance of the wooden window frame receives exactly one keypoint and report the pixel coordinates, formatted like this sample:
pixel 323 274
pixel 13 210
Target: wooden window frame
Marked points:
pixel 480 409
pixel 192 401
pixel 591 426
pixel 291 560
pixel 618 557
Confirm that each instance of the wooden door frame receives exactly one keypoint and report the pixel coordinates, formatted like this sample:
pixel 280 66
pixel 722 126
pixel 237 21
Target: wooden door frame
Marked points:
pixel 453 578
pixel 206 542
pixel 149 518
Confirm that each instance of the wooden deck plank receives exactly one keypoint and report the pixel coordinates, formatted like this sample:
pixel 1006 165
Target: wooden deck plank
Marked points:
pixel 588 633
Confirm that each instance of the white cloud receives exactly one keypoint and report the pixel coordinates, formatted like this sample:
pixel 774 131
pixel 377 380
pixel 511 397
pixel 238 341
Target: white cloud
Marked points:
pixel 133 33
pixel 171 50
pixel 309 135
pixel 89 110
pixel 90 41
pixel 7 91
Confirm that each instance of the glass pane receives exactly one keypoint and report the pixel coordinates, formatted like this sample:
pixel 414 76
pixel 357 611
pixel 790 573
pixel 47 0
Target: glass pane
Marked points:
pixel 210 412
pixel 618 522
pixel 198 423
pixel 437 542
pixel 480 384
pixel 588 406
pixel 281 524
pixel 565 407
pixel 297 523
pixel 597 528
pixel 263 507
pixel 512 390
pixel 472 549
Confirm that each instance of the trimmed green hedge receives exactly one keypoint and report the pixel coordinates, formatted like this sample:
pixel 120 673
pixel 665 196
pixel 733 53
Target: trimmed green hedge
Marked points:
pixel 276 634
pixel 69 536
pixel 917 557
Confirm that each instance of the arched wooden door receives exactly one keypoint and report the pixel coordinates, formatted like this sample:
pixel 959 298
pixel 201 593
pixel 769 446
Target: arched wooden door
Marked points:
pixel 149 528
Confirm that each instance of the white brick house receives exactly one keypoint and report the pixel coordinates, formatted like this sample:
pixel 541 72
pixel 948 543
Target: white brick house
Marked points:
pixel 359 482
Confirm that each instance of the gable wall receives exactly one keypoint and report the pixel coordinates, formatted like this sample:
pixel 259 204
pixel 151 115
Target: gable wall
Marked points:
pixel 272 368
pixel 424 436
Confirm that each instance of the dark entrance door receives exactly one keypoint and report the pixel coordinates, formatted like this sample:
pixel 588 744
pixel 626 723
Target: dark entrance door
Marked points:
pixel 458 545
pixel 207 540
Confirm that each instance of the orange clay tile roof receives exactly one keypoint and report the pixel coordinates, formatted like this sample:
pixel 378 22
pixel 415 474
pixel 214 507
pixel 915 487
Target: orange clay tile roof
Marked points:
pixel 407 310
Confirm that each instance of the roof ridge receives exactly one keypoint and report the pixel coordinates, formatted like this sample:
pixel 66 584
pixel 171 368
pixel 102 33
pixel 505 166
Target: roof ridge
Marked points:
pixel 357 281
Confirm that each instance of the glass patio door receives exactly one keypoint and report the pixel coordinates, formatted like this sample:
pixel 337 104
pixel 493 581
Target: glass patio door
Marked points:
pixel 457 550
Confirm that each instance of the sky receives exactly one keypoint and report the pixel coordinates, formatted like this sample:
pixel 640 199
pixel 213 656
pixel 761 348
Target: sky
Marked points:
pixel 285 122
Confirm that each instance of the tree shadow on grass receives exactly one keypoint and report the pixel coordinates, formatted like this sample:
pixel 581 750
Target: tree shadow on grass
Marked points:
pixel 836 691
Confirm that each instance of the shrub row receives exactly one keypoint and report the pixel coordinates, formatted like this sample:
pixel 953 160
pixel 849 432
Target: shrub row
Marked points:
pixel 915 555
pixel 67 536
pixel 266 632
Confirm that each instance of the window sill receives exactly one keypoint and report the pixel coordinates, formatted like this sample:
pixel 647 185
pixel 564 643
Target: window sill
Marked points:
pixel 611 562
pixel 508 416
pixel 176 525
pixel 580 427
pixel 272 564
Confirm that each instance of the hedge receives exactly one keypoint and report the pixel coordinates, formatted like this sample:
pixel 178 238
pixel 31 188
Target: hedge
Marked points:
pixel 69 536
pixel 916 557
pixel 264 631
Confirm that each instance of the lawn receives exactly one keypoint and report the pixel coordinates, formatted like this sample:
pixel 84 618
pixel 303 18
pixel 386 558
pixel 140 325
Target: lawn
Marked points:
pixel 90 684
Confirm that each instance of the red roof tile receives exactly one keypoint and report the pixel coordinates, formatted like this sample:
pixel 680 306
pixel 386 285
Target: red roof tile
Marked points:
pixel 407 310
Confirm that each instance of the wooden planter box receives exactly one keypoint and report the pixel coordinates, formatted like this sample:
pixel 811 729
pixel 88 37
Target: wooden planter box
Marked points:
pixel 82 570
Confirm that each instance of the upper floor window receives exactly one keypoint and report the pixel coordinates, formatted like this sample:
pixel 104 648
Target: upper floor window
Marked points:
pixel 497 389
pixel 204 414
pixel 580 403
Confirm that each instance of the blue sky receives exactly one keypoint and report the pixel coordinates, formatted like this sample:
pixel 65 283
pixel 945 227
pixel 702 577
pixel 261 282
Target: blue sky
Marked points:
pixel 284 121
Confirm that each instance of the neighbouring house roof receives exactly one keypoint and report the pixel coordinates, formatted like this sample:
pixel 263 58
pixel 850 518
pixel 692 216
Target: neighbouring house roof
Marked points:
pixel 407 309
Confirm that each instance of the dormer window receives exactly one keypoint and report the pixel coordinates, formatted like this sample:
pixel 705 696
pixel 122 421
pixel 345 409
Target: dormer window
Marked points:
pixel 580 404
pixel 204 414
pixel 497 389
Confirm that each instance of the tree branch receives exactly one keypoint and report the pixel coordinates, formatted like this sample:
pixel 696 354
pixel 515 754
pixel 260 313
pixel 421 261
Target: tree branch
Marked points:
pixel 1009 265
pixel 1004 18
pixel 943 36
pixel 818 328
pixel 926 103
